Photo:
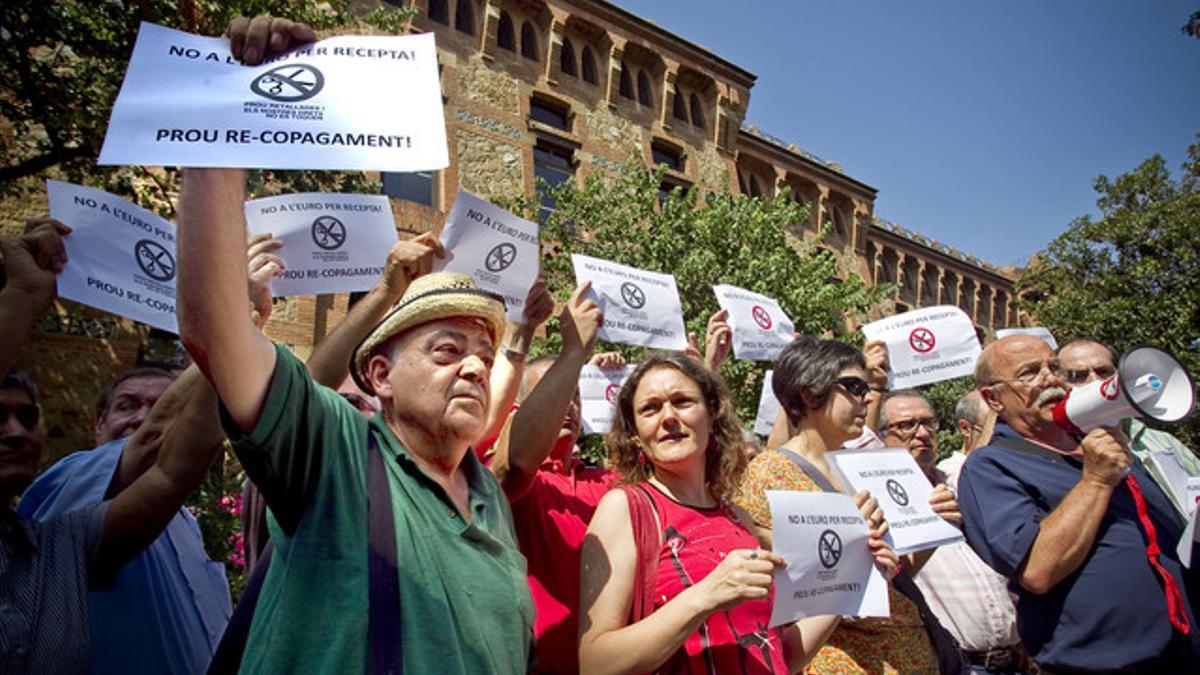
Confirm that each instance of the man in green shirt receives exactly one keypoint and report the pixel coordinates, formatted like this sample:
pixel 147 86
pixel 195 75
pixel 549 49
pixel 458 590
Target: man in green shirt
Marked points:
pixel 464 605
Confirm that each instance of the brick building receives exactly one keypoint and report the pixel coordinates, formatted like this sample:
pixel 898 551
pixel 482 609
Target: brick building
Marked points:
pixel 558 89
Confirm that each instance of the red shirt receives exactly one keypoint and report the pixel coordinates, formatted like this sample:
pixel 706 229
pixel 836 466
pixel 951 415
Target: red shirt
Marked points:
pixel 551 520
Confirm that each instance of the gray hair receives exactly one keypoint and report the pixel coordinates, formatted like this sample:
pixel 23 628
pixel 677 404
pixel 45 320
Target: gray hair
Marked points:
pixel 899 393
pixel 968 408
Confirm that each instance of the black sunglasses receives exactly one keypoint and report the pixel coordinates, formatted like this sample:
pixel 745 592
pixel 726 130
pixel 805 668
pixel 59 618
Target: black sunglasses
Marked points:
pixel 857 386
pixel 1080 376
pixel 27 415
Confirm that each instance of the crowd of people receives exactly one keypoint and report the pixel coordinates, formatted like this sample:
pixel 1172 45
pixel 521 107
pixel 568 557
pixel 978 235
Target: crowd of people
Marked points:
pixel 416 500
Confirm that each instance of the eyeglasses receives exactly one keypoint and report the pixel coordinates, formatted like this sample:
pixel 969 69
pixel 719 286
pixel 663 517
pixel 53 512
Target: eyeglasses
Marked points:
pixel 1081 376
pixel 906 429
pixel 26 414
pixel 1030 373
pixel 855 386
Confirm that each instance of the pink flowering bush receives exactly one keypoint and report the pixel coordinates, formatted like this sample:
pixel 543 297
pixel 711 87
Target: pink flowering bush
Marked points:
pixel 217 508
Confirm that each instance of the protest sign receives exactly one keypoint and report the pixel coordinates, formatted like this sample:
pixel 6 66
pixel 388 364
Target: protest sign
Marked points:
pixel 1168 470
pixel 893 478
pixel 760 328
pixel 1036 331
pixel 1190 533
pixel 640 307
pixel 355 102
pixel 492 246
pixel 927 345
pixel 823 538
pixel 121 256
pixel 768 407
pixel 332 243
pixel 598 391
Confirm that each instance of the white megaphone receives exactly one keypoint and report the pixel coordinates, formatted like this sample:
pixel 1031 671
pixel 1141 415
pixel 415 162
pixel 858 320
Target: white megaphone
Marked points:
pixel 1149 383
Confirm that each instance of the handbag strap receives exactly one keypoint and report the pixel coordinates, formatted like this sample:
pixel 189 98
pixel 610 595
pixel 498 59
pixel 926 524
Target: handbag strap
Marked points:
pixel 647 539
pixel 385 649
pixel 809 470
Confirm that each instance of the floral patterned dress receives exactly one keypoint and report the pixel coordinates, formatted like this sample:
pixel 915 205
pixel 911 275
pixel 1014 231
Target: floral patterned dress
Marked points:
pixel 898 644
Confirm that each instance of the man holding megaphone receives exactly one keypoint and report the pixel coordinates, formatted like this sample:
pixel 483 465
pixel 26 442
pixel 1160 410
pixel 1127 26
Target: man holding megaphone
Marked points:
pixel 1168 461
pixel 1084 535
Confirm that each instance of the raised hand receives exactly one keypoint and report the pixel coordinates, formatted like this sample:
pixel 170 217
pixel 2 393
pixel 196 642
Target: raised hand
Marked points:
pixel 409 259
pixel 32 260
pixel 876 355
pixel 262 265
pixel 718 340
pixel 252 40
pixel 579 322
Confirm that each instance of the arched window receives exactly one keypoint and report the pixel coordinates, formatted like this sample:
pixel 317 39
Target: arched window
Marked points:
pixel 566 60
pixel 506 37
pixel 645 97
pixel 697 112
pixel 464 17
pixel 438 12
pixel 625 88
pixel 679 108
pixel 529 42
pixel 588 65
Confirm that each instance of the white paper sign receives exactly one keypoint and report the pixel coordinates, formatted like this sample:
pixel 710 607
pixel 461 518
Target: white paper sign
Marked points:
pixel 893 478
pixel 332 243
pixel 492 246
pixel 640 307
pixel 598 391
pixel 354 102
pixel 1170 472
pixel 1036 331
pixel 1189 538
pixel 760 328
pixel 830 570
pixel 768 407
pixel 927 345
pixel 121 256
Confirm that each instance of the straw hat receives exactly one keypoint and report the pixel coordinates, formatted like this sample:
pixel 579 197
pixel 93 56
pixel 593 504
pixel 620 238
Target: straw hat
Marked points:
pixel 440 295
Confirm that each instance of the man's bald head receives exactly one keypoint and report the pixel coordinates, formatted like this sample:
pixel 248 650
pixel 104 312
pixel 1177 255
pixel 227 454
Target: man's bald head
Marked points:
pixel 1020 378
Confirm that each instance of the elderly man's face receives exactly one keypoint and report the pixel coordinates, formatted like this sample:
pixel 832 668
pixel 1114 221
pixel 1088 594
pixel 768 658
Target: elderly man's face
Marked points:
pixel 21 441
pixel 1027 384
pixel 128 407
pixel 913 425
pixel 1086 362
pixel 437 378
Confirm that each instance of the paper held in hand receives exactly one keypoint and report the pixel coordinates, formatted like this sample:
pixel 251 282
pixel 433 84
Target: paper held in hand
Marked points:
pixel 893 478
pixel 640 307
pixel 494 247
pixel 598 391
pixel 760 328
pixel 1036 331
pixel 830 569
pixel 927 345
pixel 121 256
pixel 355 102
pixel 768 407
pixel 332 243
pixel 1191 533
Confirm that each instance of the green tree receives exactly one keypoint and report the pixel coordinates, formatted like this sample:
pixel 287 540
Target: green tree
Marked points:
pixel 702 239
pixel 1131 276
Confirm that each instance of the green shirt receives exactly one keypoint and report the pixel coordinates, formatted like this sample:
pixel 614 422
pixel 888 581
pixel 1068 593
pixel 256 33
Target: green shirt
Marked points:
pixel 1158 451
pixel 464 601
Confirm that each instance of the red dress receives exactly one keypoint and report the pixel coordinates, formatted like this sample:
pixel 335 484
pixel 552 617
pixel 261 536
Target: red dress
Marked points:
pixel 735 640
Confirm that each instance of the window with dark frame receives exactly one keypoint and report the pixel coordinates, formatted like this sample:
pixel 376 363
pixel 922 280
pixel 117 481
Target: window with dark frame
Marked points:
pixel 678 107
pixel 550 113
pixel 697 112
pixel 625 86
pixel 566 60
pixel 439 11
pixel 645 95
pixel 661 153
pixel 464 17
pixel 529 42
pixel 554 165
pixel 506 36
pixel 588 65
pixel 414 187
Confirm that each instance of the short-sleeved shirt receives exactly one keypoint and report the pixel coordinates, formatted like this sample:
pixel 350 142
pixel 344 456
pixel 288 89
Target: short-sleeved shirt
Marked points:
pixel 1109 614
pixel 895 644
pixel 551 521
pixel 166 609
pixel 464 602
pixel 44 570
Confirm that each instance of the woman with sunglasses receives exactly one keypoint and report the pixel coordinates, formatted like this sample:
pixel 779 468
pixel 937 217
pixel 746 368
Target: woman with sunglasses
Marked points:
pixel 673 578
pixel 822 387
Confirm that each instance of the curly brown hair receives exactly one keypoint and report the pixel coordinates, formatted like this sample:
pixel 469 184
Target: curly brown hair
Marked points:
pixel 724 461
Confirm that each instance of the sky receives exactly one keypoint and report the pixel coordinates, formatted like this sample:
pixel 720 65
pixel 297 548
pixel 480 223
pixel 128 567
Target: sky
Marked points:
pixel 982 124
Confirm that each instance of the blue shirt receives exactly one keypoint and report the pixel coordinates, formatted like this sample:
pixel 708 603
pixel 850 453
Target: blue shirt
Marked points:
pixel 1111 613
pixel 167 608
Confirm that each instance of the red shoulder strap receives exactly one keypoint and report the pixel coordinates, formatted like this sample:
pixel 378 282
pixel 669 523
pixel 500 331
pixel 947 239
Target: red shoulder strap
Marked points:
pixel 647 537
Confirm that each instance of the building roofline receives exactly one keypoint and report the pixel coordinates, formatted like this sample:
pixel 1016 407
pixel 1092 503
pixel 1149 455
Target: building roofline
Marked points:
pixel 945 255
pixel 752 136
pixel 635 23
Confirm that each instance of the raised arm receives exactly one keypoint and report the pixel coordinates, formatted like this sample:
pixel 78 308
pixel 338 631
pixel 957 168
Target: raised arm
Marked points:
pixel 31 261
pixel 140 512
pixel 876 355
pixel 407 260
pixel 509 367
pixel 607 643
pixel 536 424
